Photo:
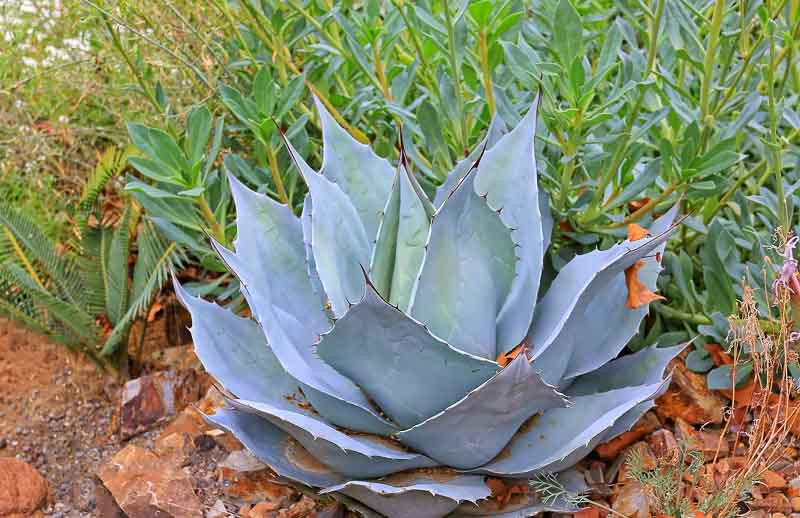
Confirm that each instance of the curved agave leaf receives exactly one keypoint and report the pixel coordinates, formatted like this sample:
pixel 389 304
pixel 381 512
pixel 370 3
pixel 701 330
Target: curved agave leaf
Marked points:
pixel 331 394
pixel 233 350
pixel 474 430
pixel 416 495
pixel 547 219
pixel 467 273
pixel 506 178
pixel 364 177
pixel 275 448
pixel 270 240
pixel 640 368
pixel 409 373
pixel 628 419
pixel 352 455
pixel 400 247
pixel 338 238
pixel 497 128
pixel 561 437
pixel 608 324
pixel 571 481
pixel 311 266
pixel 578 310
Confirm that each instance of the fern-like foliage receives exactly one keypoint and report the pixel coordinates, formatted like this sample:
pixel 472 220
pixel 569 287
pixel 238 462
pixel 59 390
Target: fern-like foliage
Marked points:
pixel 156 258
pixel 65 294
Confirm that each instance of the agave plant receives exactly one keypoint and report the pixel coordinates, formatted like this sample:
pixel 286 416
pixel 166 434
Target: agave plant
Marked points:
pixel 400 352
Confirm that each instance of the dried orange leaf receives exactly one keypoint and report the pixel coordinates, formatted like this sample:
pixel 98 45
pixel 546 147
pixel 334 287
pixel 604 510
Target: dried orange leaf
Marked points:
pixel 504 359
pixel 636 232
pixel 638 293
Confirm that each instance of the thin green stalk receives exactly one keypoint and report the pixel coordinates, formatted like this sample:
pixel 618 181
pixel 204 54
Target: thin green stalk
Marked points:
pixel 486 70
pixel 216 229
pixel 774 146
pixel 452 58
pixel 276 176
pixel 622 147
pixel 708 63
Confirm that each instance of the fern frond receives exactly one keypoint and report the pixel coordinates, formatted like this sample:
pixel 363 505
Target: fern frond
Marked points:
pixel 26 302
pixel 110 164
pixel 156 256
pixel 115 266
pixel 42 255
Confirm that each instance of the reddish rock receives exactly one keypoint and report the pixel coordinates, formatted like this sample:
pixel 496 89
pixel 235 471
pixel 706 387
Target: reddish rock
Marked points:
pixel 611 449
pixel 105 505
pixel 794 487
pixel 644 453
pixel 688 397
pixel 301 509
pixel 148 399
pixel 707 442
pixel 23 491
pixel 663 444
pixel 774 502
pixel 145 485
pixel 632 501
pixel 174 448
pixel 773 480
pixel 248 480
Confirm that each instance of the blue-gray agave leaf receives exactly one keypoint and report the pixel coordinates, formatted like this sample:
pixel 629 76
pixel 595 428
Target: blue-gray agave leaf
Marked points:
pixel 577 314
pixel 400 246
pixel 233 350
pixel 506 178
pixel 270 240
pixel 643 367
pixel 474 430
pixel 467 273
pixel 408 372
pixel 547 218
pixel 352 455
pixel 332 395
pixel 561 437
pixel 275 448
pixel 365 177
pixel 605 312
pixel 571 481
pixel 497 128
pixel 311 266
pixel 416 495
pixel 338 238
pixel 628 419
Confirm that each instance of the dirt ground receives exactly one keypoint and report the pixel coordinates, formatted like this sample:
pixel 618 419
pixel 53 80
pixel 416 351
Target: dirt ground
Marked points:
pixel 57 413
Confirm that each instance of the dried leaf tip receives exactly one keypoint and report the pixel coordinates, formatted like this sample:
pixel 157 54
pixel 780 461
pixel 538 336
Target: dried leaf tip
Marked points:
pixel 636 232
pixel 638 293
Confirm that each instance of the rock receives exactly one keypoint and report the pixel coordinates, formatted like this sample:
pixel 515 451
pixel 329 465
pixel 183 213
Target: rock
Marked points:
pixel 145 485
pixel 251 485
pixel 181 357
pixel 704 441
pixel 663 444
pixel 105 505
pixel 175 448
pixel 774 502
pixel 611 449
pixel 263 510
pixel 688 397
pixel 301 509
pixel 632 501
pixel 241 461
pixel 773 480
pixel 218 510
pixel 23 491
pixel 148 399
pixel 795 501
pixel 793 488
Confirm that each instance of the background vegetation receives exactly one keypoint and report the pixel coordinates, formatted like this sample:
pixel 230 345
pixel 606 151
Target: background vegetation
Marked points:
pixel 644 103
